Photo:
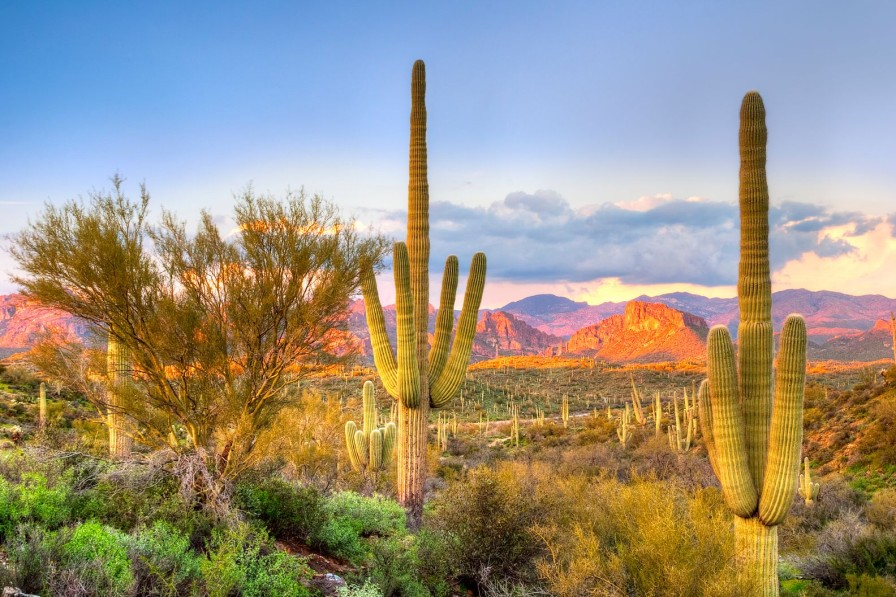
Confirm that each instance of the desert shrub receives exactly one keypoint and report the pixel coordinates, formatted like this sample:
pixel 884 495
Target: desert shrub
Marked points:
pixel 864 585
pixel 489 515
pixel 239 561
pixel 881 510
pixel 134 497
pixel 339 537
pixel 33 500
pixel 163 562
pixel 98 556
pixel 393 566
pixel 287 510
pixel 368 589
pixel 30 550
pixel 800 529
pixel 644 537
pixel 850 546
pixel 375 515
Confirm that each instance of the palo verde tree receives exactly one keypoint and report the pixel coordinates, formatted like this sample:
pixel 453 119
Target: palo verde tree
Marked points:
pixel 420 378
pixel 216 325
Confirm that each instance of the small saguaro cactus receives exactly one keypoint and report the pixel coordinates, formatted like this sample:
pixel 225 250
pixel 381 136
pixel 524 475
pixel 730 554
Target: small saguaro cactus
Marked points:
pixel 623 431
pixel 369 448
pixel 42 407
pixel 808 489
pixel 118 372
pixel 680 436
pixel 564 410
pixel 753 440
pixel 420 378
pixel 637 407
pixel 657 413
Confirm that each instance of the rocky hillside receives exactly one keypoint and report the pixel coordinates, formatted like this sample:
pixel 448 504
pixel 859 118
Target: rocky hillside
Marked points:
pixel 501 334
pixel 644 332
pixel 22 322
pixel 560 316
pixel 870 345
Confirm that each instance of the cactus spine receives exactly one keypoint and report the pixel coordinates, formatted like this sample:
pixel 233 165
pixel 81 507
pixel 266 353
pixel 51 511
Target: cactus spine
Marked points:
pixel 369 448
pixel 808 489
pixel 118 372
pixel 753 441
pixel 42 407
pixel 420 378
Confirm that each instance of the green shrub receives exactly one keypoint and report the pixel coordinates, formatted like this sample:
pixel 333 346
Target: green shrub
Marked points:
pixel 339 537
pixel 288 511
pixel 29 552
pixel 239 561
pixel 163 562
pixel 98 555
pixel 376 515
pixel 368 589
pixel 32 500
pixel 490 515
pixel 394 567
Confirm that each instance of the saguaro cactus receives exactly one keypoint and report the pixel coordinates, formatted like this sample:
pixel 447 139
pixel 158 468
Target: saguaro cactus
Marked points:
pixel 369 448
pixel 420 378
pixel 754 441
pixel 42 407
pixel 118 371
pixel 808 489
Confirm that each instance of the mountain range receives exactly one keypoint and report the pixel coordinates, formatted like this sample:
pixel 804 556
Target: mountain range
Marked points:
pixel 661 328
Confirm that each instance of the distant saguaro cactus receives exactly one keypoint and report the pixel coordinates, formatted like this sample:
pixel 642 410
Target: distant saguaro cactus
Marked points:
pixel 808 489
pixel 754 441
pixel 118 372
pixel 369 448
pixel 42 407
pixel 420 378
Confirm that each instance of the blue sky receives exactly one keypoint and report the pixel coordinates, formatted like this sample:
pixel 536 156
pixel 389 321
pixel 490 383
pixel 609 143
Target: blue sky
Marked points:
pixel 596 139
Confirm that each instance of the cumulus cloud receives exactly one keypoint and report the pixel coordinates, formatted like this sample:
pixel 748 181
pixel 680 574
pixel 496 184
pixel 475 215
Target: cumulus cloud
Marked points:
pixel 539 238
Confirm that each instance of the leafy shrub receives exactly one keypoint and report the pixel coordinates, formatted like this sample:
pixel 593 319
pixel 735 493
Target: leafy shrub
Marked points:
pixel 163 562
pixel 376 515
pixel 239 561
pixel 339 537
pixel 98 555
pixel 32 500
pixel 881 510
pixel 394 567
pixel 29 551
pixel 288 511
pixel 850 546
pixel 490 515
pixel 368 589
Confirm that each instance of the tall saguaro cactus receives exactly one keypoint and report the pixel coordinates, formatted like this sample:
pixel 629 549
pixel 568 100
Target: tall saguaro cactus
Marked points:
pixel 42 407
pixel 420 377
pixel 369 448
pixel 118 371
pixel 754 440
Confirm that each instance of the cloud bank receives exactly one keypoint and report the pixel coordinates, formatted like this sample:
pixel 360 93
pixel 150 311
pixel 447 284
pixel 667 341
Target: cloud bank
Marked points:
pixel 540 238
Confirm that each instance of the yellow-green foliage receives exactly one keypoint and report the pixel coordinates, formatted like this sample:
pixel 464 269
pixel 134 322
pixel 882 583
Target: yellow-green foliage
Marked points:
pixel 640 538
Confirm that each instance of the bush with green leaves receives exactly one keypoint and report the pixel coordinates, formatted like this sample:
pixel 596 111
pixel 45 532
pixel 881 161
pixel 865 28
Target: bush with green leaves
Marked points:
pixel 163 562
pixel 374 515
pixel 29 549
pixel 98 555
pixel 288 511
pixel 240 561
pixel 33 500
pixel 368 589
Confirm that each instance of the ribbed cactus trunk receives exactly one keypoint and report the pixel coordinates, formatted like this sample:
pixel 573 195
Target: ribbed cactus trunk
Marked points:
pixel 754 441
pixel 118 371
pixel 420 378
pixel 42 407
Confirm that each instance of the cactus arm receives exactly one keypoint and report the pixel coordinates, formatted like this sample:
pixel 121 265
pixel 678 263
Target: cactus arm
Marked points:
pixel 728 426
pixel 408 371
pixel 361 448
pixel 443 388
pixel 369 404
pixel 704 415
pixel 786 435
pixel 375 459
pixel 388 441
pixel 353 458
pixel 754 286
pixel 383 356
pixel 438 355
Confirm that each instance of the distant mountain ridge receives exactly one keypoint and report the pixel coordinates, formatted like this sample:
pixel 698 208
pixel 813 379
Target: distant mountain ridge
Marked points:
pixel 841 327
pixel 644 332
